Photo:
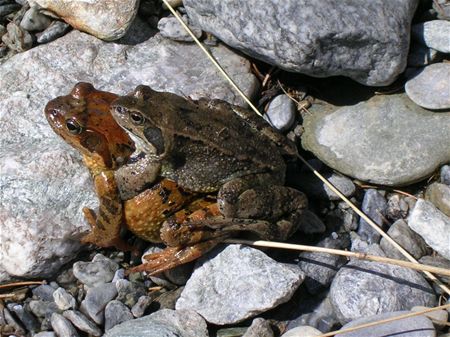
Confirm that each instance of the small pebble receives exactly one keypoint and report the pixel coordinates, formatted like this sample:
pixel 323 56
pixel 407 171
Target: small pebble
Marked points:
pixel 439 196
pixel 66 277
pixel 12 322
pixel 43 309
pixel 101 270
pixel 302 331
pixel 55 30
pixel 45 334
pixel 82 322
pixel 434 34
pixel 170 28
pixel 17 39
pixel 118 275
pixel 28 320
pixel 397 208
pixel 62 326
pixel 33 20
pixel 129 292
pixel 259 328
pixel 44 292
pixel 430 88
pixel 8 9
pixel 445 174
pixel 374 205
pixel 63 299
pixel 96 300
pixel 141 305
pixel 281 113
pixel 115 313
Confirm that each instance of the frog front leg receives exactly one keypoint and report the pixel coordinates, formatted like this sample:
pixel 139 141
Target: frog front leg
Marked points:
pixel 107 223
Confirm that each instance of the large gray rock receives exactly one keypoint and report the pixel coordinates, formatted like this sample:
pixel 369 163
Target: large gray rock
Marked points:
pixel 432 225
pixel 106 20
pixel 163 323
pixel 434 34
pixel 43 184
pixel 364 288
pixel 222 291
pixel 368 140
pixel 318 38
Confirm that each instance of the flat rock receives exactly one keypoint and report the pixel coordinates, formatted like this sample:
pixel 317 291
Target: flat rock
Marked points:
pixel 318 38
pixel 430 88
pixel 418 326
pixel 363 288
pixel 105 20
pixel 44 185
pixel 163 323
pixel 432 225
pixel 434 34
pixel 221 290
pixel 368 140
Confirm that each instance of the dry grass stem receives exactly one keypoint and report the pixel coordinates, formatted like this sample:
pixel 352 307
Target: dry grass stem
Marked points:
pixel 357 255
pixel 388 320
pixel 20 284
pixel 316 173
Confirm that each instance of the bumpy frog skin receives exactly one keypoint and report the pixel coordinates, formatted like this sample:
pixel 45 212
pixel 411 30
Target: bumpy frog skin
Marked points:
pixel 83 120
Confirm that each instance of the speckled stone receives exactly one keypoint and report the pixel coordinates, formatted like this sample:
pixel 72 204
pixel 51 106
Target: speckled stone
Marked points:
pixel 281 113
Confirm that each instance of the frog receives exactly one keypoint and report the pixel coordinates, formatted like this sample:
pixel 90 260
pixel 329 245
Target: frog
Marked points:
pixel 83 119
pixel 211 146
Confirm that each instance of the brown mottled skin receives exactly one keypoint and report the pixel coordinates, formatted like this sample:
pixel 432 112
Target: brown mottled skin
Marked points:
pixel 83 120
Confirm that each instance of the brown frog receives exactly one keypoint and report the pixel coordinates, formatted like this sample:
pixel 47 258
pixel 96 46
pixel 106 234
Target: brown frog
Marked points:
pixel 212 146
pixel 83 120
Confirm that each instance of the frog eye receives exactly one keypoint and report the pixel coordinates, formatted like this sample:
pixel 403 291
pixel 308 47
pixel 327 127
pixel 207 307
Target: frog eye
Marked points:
pixel 73 126
pixel 136 118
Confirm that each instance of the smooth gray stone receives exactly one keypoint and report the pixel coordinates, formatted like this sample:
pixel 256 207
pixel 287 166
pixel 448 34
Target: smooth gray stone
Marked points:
pixel 63 299
pixel 163 323
pixel 26 318
pixel 43 309
pixel 363 288
pixel 430 88
pixel 445 174
pixel 418 326
pixel 259 328
pixel 405 237
pixel 43 183
pixel 170 28
pixel 44 292
pixel 281 113
pixel 55 30
pixel 221 289
pixel 141 305
pixel 96 300
pixel 302 331
pixel 33 20
pixel 62 326
pixel 374 205
pixel 45 334
pixel 101 270
pixel 434 34
pixel 432 225
pixel 115 313
pixel 439 195
pixel 82 322
pixel 368 140
pixel 317 38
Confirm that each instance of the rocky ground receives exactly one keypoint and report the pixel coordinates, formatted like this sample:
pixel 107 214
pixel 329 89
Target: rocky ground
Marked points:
pixel 364 91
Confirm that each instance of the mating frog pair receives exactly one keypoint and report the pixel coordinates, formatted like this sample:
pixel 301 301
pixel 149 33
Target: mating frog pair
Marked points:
pixel 198 147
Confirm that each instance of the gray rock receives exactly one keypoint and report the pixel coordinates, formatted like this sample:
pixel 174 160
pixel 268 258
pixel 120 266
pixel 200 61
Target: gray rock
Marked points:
pixel 44 292
pixel 163 323
pixel 342 216
pixel 100 270
pixel 6 9
pixel 432 225
pixel 55 30
pixel 129 292
pixel 438 261
pixel 320 268
pixel 45 334
pixel 314 187
pixel 320 39
pixel 11 321
pixel 438 316
pixel 16 38
pixel 141 305
pixel 41 212
pixel 418 326
pixel 118 275
pixel 302 331
pixel 220 289
pixel 374 205
pixel 33 20
pixel 434 34
pixel 405 237
pixel 63 299
pixel 439 196
pixel 62 326
pixel 445 174
pixel 26 318
pixel 281 113
pixel 397 208
pixel 259 328
pixel 421 55
pixel 96 300
pixel 170 28
pixel 363 288
pixel 107 21
pixel 431 87
pixel 115 313
pixel 367 140
pixel 82 322
pixel 43 309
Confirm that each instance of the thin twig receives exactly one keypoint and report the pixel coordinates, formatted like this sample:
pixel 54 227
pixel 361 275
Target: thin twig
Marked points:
pixel 19 284
pixel 316 173
pixel 358 255
pixel 6 296
pixel 387 320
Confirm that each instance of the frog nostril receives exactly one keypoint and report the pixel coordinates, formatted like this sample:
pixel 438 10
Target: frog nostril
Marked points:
pixel 120 110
